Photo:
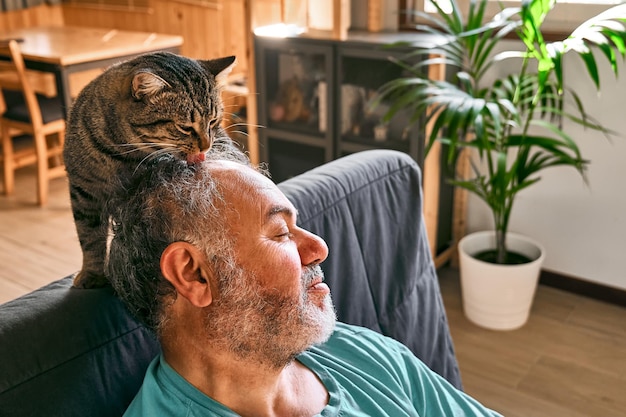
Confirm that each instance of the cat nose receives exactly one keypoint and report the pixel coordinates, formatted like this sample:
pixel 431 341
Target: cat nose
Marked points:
pixel 205 141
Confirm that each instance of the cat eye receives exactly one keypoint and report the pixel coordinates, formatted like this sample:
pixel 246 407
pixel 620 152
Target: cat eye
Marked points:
pixel 187 130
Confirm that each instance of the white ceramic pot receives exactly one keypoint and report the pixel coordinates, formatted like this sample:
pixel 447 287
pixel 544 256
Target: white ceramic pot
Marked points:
pixel 498 297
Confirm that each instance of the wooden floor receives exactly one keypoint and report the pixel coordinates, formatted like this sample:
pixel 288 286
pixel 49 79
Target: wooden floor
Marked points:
pixel 37 245
pixel 568 361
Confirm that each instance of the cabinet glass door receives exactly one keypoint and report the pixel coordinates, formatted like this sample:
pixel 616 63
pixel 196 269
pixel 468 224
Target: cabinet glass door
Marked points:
pixel 296 91
pixel 361 73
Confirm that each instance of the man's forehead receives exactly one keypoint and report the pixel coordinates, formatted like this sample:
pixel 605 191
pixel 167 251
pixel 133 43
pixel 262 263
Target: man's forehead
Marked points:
pixel 229 173
pixel 243 183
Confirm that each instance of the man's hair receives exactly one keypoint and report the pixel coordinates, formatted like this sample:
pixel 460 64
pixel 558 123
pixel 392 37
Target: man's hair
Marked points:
pixel 170 201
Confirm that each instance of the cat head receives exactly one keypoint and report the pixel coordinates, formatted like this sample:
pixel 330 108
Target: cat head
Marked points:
pixel 176 105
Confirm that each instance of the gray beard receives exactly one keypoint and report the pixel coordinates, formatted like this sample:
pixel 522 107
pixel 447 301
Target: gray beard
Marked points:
pixel 262 325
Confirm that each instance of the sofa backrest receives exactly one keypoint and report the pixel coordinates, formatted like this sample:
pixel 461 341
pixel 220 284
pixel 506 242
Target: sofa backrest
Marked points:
pixel 77 352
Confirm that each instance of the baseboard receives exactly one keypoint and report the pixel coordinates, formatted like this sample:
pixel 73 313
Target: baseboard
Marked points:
pixel 582 287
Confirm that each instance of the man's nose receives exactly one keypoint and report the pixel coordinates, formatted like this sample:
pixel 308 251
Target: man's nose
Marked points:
pixel 312 249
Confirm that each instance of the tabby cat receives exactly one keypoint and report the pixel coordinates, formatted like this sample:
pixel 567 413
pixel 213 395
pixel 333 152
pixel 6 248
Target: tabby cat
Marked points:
pixel 155 104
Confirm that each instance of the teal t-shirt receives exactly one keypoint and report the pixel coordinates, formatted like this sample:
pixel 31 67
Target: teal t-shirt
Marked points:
pixel 365 373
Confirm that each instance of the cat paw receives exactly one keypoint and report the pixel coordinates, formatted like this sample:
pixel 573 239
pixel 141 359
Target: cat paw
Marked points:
pixel 88 280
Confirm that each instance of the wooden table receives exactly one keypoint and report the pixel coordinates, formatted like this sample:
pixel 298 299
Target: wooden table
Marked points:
pixel 65 50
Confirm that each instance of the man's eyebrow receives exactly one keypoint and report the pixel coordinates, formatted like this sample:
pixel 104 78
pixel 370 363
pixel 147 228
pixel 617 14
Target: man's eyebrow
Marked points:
pixel 275 210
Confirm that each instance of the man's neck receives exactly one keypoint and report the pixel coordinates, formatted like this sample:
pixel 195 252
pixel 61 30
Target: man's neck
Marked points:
pixel 251 388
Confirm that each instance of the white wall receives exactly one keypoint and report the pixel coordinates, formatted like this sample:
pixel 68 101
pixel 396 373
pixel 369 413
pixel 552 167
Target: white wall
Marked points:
pixel 583 228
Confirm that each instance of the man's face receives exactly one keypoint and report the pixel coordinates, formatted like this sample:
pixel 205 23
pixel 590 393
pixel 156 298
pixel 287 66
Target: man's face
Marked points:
pixel 271 301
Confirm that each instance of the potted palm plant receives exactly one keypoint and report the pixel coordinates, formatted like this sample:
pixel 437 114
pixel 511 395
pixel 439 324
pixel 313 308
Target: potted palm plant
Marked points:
pixel 510 125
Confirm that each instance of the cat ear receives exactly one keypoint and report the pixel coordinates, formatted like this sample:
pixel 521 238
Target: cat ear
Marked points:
pixel 146 83
pixel 220 68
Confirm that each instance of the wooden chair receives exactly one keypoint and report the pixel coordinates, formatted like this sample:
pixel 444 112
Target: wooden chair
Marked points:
pixel 26 113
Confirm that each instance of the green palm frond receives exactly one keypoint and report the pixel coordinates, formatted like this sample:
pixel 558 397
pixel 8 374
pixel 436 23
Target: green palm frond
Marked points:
pixel 512 122
pixel 606 31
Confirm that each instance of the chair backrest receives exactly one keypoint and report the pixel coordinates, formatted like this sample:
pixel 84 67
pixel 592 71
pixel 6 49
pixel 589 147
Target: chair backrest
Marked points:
pixel 13 77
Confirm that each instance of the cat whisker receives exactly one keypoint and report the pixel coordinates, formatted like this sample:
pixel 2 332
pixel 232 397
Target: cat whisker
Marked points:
pixel 152 155
pixel 140 143
pixel 241 132
pixel 164 145
pixel 120 145
pixel 240 95
pixel 237 125
pixel 226 138
pixel 232 116
pixel 142 146
pixel 244 124
pixel 137 149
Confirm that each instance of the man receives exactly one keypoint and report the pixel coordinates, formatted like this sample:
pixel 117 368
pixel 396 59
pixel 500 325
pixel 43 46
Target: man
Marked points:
pixel 210 257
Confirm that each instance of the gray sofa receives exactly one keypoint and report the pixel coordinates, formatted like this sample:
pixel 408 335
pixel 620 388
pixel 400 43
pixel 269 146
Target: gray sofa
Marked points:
pixel 70 352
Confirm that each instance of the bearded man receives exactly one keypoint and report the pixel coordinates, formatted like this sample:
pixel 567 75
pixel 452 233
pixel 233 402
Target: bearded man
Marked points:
pixel 211 258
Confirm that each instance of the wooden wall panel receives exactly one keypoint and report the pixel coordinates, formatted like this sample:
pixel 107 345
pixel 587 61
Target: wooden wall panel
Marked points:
pixel 210 29
pixel 44 15
pixel 266 12
pixel 235 33
pixel 91 17
pixel 296 12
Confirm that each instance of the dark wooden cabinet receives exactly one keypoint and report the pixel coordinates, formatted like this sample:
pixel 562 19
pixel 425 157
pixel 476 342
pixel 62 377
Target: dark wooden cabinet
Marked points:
pixel 314 101
pixel 295 113
pixel 315 98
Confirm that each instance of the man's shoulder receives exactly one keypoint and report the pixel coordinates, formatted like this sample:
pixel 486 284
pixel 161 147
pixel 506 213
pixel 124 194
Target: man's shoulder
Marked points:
pixel 360 344
pixel 164 392
pixel 349 333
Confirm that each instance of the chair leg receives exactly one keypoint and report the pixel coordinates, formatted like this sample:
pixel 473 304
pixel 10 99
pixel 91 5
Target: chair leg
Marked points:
pixel 8 161
pixel 62 137
pixel 42 168
pixel 55 147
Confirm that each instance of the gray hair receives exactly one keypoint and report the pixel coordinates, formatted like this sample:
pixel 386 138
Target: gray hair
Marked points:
pixel 170 201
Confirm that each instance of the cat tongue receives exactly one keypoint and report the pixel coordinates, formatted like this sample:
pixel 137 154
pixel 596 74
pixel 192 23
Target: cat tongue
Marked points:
pixel 195 159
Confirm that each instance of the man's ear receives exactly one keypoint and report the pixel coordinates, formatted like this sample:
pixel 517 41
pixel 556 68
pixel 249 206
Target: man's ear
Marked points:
pixel 184 266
